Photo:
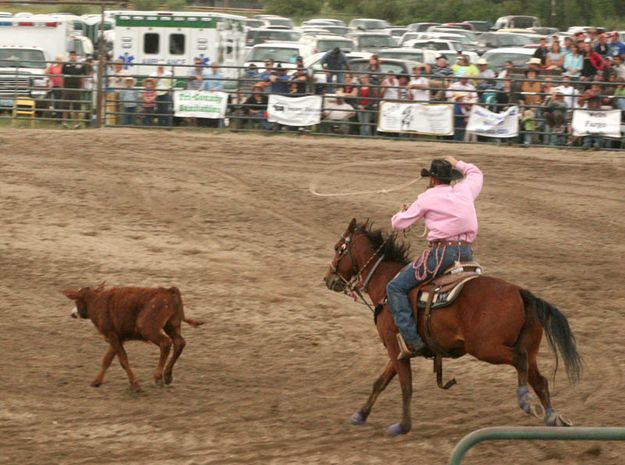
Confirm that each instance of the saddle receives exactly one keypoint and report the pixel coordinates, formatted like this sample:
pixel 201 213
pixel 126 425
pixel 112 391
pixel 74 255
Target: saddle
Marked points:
pixel 445 289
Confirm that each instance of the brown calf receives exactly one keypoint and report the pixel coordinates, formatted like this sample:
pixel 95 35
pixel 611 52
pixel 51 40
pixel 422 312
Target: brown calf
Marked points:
pixel 134 313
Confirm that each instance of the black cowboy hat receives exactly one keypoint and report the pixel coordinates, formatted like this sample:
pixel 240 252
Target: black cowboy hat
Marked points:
pixel 441 169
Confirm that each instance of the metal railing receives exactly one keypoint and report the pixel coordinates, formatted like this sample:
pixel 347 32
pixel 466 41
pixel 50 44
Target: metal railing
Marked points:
pixel 508 433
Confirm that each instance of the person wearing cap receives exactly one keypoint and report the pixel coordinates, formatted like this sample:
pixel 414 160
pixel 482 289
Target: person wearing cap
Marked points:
pixel 616 47
pixel 195 77
pixel 279 81
pixel 164 100
pixel 334 62
pixel 73 74
pixel 451 220
pixel 128 101
pixel 300 76
pixel 542 50
pixel 116 76
pixel 486 75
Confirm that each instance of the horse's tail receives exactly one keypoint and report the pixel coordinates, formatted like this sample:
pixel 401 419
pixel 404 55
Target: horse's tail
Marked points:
pixel 559 334
pixel 178 300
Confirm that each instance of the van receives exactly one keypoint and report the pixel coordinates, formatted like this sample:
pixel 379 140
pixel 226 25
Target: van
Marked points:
pixel 516 22
pixel 177 38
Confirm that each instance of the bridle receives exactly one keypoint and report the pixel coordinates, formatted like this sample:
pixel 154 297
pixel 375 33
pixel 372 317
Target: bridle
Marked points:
pixel 355 284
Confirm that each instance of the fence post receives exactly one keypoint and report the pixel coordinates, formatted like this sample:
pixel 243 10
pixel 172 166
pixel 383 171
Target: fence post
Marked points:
pixel 529 434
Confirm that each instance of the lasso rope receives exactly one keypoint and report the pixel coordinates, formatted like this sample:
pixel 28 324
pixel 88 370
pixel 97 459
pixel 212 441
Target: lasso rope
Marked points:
pixel 315 181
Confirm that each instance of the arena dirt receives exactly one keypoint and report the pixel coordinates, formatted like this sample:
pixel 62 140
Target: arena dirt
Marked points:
pixel 282 362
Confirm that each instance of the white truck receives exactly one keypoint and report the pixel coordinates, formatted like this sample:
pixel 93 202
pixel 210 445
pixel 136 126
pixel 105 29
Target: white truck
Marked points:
pixel 177 38
pixel 26 44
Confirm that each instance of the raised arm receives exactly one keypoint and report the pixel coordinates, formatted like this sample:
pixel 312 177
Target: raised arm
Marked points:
pixel 473 177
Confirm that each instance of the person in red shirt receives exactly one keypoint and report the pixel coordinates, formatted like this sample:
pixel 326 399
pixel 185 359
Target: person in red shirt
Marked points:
pixel 149 101
pixel 54 71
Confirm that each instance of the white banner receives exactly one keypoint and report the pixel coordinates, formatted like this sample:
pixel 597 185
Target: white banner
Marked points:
pixel 200 104
pixel 604 122
pixel 483 122
pixel 416 118
pixel 294 111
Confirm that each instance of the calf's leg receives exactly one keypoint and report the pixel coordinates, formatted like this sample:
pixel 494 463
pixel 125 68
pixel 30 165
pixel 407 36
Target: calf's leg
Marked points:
pixel 123 360
pixel 106 363
pixel 179 344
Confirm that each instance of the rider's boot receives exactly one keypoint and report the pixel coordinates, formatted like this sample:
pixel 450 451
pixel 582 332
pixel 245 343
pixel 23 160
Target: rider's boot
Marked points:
pixel 412 349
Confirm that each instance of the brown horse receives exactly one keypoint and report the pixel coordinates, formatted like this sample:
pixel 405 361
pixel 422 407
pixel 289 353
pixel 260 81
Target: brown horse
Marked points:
pixel 493 320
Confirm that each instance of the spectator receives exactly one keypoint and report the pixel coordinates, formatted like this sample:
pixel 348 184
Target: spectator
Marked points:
pixel 555 57
pixel 593 63
pixel 486 75
pixel 463 67
pixel 462 87
pixel 403 90
pixel 618 67
pixel 55 73
pixel 279 81
pixel 249 81
pixel 461 116
pixel 531 98
pixel 568 42
pixel 419 85
pixel 195 76
pixel 164 100
pixel 334 62
pixel 569 93
pixel 441 68
pixel 573 63
pixel 542 51
pixel 535 64
pixel 506 72
pixel 214 79
pixel 117 76
pixel 603 48
pixel 528 126
pixel 255 108
pixel 390 87
pixel 128 101
pixel 619 96
pixel 555 111
pixel 350 91
pixel 592 99
pixel 616 47
pixel 504 96
pixel 149 101
pixel 73 75
pixel 593 37
pixel 366 106
pixel 301 76
pixel 336 114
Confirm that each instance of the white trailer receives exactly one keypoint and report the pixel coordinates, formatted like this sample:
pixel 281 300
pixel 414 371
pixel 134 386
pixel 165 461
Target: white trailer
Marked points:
pixel 177 38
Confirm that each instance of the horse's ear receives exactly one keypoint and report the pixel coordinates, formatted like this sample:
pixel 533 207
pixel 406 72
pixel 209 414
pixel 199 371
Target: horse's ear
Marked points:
pixel 71 294
pixel 352 225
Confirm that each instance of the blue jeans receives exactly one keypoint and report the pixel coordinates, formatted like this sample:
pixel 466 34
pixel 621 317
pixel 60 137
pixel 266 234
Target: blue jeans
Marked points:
pixel 339 81
pixel 398 288
pixel 128 118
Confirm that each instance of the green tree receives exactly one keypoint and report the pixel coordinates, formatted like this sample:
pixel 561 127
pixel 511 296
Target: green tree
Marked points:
pixel 146 5
pixel 298 8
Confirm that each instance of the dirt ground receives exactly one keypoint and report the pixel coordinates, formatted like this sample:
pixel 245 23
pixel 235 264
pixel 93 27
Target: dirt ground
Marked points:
pixel 282 362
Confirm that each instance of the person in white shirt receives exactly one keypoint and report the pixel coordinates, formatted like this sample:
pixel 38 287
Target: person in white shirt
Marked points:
pixel 569 92
pixel 336 114
pixel 390 87
pixel 462 87
pixel 164 100
pixel 419 85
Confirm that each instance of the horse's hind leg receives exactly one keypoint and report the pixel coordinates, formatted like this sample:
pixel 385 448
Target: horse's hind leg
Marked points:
pixel 360 417
pixel 541 386
pixel 526 339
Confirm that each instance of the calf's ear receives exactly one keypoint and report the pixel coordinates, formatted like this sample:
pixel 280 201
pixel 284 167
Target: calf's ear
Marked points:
pixel 71 294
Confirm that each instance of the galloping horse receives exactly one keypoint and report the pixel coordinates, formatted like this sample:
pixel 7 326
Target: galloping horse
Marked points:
pixel 493 320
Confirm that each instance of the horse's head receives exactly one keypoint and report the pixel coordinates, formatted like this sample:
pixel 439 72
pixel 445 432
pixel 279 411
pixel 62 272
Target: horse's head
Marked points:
pixel 347 258
pixel 80 308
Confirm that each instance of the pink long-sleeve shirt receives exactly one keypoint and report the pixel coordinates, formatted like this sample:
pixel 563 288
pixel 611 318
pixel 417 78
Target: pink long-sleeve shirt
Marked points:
pixel 449 211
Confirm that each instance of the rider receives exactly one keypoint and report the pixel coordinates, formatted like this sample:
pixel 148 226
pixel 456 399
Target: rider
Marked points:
pixel 451 220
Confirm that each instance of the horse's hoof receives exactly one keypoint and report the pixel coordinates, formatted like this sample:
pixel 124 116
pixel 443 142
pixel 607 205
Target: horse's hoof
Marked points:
pixel 168 377
pixel 395 430
pixel 96 383
pixel 537 410
pixel 555 419
pixel 358 418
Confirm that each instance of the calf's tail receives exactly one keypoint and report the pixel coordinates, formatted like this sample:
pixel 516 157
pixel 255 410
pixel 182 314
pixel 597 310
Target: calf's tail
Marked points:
pixel 178 300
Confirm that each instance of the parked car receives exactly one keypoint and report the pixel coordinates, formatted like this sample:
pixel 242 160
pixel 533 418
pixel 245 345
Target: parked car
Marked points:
pixel 469 39
pixel 386 65
pixel 274 20
pixel 323 21
pixel 402 53
pixel 397 32
pixel 429 56
pixel 367 24
pixel 285 53
pixel 313 31
pixel 262 35
pixel 481 26
pixel 466 42
pixel 519 56
pixel 421 27
pixel 410 35
pixel 516 21
pixel 490 40
pixel 338 30
pixel 323 43
pixel 434 44
pixel 463 25
pixel 251 23
pixel 371 41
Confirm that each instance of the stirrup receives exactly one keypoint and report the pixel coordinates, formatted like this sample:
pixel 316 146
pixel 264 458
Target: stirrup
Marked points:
pixel 404 351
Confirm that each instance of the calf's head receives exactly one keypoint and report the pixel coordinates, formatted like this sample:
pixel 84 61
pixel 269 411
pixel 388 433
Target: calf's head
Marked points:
pixel 80 309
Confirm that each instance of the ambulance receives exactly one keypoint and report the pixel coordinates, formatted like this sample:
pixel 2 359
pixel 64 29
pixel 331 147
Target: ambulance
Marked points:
pixel 26 45
pixel 177 38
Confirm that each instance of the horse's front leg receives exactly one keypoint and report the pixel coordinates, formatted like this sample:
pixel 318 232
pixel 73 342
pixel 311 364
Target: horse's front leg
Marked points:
pixel 360 417
pixel 405 380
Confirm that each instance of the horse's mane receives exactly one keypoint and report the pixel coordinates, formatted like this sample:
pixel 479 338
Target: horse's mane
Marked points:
pixel 395 250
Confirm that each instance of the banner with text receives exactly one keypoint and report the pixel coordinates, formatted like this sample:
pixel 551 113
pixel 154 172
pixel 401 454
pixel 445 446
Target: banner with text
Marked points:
pixel 483 122
pixel 200 104
pixel 604 122
pixel 294 111
pixel 416 118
